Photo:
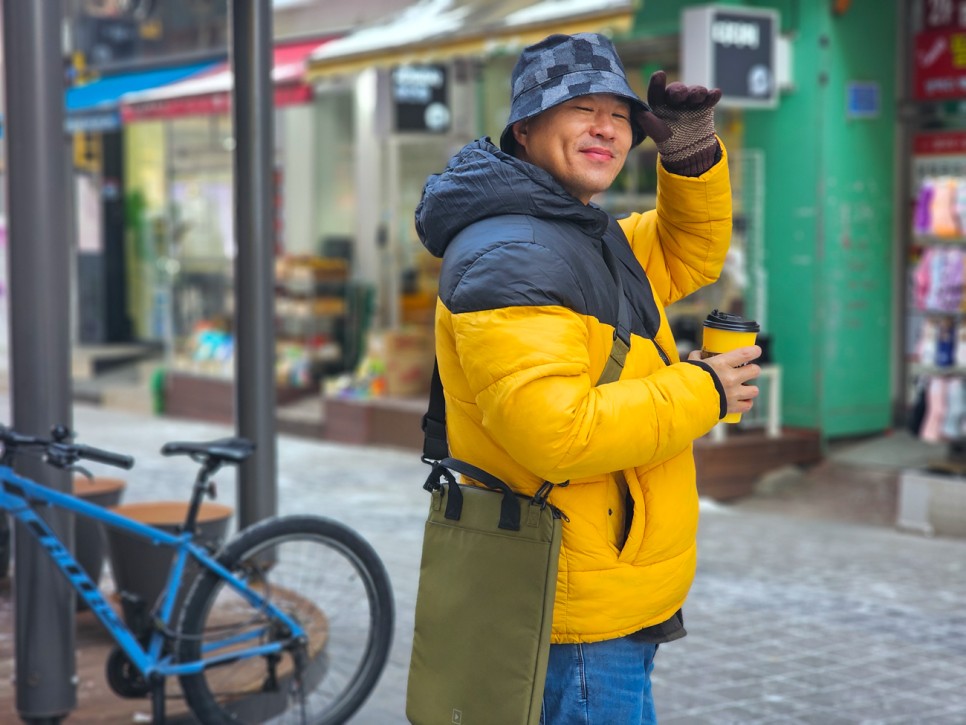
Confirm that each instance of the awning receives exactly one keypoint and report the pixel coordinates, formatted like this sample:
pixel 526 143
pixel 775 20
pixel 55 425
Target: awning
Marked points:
pixel 94 107
pixel 210 92
pixel 433 30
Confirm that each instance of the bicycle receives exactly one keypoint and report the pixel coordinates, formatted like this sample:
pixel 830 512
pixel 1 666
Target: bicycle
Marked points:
pixel 290 621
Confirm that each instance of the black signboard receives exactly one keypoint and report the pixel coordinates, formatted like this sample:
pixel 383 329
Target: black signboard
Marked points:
pixel 420 95
pixel 743 56
pixel 732 49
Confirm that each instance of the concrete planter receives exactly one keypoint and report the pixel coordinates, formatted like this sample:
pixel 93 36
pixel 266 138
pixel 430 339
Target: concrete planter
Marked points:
pixel 932 503
pixel 90 542
pixel 139 567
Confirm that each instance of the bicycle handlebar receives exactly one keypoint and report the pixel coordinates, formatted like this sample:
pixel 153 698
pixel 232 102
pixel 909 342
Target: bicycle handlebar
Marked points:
pixel 13 439
pixel 99 455
pixel 60 452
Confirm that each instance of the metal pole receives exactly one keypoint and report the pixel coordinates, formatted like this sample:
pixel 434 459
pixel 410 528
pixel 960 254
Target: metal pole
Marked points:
pixel 253 108
pixel 39 339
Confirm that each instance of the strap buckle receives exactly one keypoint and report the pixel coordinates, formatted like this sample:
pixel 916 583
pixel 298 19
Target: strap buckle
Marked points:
pixel 542 494
pixel 436 477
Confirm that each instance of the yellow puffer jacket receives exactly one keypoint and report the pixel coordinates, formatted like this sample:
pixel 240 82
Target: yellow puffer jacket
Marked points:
pixel 524 325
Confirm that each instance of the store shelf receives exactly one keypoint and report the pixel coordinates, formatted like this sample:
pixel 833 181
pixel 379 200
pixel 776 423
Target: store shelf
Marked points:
pixel 311 310
pixel 936 277
pixel 918 369
pixel 310 307
pixel 327 351
pixel 928 240
pixel 943 313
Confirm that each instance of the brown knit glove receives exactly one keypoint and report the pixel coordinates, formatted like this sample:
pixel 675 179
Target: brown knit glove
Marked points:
pixel 681 122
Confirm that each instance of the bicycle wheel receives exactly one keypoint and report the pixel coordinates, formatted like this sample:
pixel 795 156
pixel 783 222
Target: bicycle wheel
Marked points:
pixel 328 578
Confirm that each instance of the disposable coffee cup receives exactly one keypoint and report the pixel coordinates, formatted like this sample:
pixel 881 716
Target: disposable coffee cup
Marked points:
pixel 724 332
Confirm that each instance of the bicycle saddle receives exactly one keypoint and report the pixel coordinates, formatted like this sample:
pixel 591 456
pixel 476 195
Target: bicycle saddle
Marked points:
pixel 229 450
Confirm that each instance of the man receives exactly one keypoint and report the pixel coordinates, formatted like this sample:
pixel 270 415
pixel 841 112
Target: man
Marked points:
pixel 524 327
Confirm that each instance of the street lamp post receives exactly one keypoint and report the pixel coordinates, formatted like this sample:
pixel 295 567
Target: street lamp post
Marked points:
pixel 39 281
pixel 254 108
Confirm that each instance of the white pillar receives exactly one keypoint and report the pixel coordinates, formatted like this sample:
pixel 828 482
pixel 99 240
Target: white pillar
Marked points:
pixel 371 127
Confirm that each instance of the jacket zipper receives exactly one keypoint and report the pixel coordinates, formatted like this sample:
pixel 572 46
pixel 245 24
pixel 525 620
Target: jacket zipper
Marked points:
pixel 664 357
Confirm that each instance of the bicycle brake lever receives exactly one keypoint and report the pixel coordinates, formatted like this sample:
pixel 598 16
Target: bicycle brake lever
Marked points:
pixel 81 470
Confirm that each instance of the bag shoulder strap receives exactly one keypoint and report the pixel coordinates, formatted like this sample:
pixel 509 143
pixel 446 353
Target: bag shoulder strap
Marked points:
pixel 435 447
pixel 621 343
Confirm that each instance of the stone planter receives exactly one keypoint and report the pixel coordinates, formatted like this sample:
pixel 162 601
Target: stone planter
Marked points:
pixel 932 502
pixel 140 568
pixel 90 541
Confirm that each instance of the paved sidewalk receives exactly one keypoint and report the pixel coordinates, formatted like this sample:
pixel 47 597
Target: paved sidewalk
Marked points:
pixel 792 619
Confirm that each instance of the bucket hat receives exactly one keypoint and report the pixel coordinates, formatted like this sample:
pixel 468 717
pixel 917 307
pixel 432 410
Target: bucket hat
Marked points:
pixel 561 67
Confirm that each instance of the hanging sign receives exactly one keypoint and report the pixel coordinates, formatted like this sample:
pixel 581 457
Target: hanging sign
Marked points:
pixel 939 143
pixel 937 153
pixel 420 98
pixel 939 47
pixel 734 49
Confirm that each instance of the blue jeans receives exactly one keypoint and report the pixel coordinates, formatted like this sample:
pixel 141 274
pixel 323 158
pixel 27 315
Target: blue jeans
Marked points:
pixel 602 682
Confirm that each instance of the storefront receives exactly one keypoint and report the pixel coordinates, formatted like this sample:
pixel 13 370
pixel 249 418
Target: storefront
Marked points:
pixel 180 191
pixel 932 495
pixel 934 228
pixel 93 120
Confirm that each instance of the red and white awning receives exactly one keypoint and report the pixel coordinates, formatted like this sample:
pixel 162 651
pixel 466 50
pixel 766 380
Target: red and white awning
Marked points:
pixel 209 92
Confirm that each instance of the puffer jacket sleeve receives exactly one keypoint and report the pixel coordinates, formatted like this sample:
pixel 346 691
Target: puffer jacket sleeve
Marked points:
pixel 683 242
pixel 528 370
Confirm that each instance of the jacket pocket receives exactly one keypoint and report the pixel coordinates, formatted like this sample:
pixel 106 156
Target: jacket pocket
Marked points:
pixel 595 509
pixel 635 512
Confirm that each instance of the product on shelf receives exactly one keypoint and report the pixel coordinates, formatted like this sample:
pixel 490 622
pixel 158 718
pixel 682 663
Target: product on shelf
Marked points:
pixel 940 208
pixel 937 411
pixel 939 280
pixel 311 308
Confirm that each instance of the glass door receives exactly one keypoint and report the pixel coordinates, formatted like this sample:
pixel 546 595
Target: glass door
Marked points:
pixel 411 272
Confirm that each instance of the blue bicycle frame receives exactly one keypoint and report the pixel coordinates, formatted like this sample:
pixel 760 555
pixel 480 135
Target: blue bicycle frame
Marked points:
pixel 19 495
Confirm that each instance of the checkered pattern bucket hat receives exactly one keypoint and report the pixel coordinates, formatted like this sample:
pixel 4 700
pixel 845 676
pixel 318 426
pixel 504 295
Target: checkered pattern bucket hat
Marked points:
pixel 561 67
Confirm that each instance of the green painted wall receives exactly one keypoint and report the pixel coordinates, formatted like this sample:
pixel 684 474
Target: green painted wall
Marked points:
pixel 828 223
pixel 858 195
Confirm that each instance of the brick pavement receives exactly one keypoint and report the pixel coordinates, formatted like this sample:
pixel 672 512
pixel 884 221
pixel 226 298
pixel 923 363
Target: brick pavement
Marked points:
pixel 793 618
pixel 802 620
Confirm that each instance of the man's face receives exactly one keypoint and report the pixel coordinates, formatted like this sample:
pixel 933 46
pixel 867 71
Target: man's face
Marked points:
pixel 582 143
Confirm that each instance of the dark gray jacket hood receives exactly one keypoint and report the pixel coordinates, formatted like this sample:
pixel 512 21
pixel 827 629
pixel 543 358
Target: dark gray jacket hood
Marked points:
pixel 481 181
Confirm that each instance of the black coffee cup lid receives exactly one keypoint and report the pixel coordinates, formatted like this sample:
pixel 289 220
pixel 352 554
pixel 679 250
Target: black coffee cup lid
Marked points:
pixel 727 321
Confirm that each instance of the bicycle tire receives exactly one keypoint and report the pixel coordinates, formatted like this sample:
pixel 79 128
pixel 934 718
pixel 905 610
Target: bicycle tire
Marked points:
pixel 6 536
pixel 350 632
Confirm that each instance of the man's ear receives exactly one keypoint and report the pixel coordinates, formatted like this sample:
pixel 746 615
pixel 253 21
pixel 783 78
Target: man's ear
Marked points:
pixel 520 132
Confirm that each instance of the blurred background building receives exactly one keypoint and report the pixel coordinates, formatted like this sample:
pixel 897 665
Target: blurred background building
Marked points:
pixel 842 118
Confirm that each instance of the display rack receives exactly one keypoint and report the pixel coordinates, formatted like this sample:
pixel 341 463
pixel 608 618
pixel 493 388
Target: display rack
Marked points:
pixel 313 339
pixel 310 309
pixel 936 345
pixel 932 497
